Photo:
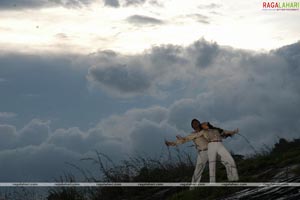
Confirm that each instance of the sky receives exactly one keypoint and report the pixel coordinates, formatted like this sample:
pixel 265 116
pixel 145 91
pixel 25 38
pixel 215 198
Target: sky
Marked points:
pixel 119 77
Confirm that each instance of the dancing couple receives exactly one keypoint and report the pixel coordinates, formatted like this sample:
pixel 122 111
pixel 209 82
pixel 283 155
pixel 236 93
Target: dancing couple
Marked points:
pixel 208 142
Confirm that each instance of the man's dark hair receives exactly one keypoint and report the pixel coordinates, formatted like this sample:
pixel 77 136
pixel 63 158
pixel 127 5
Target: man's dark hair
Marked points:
pixel 195 120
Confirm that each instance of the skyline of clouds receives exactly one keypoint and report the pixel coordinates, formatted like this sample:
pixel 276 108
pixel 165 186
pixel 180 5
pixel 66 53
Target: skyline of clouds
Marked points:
pixel 137 101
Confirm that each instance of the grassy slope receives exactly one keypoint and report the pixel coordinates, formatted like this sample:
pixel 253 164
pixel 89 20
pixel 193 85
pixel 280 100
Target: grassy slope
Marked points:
pixel 281 161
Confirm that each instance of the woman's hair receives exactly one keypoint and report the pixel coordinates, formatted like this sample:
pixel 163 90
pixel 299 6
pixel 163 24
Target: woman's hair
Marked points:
pixel 213 127
pixel 210 126
pixel 195 120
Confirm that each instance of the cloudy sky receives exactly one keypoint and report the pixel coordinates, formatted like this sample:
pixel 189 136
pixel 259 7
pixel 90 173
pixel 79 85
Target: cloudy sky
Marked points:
pixel 120 76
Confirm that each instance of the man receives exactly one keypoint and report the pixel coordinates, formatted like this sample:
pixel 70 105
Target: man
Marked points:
pixel 201 145
pixel 215 147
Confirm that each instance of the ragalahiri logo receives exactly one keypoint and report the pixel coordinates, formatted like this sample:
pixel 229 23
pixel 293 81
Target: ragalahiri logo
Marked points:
pixel 278 6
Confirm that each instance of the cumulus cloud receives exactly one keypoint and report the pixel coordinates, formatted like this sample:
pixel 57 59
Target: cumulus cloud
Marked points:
pixel 204 53
pixel 134 2
pixel 126 3
pixel 112 3
pixel 121 78
pixel 82 142
pixel 209 6
pixel 256 92
pixel 19 4
pixel 230 87
pixel 25 155
pixel 34 4
pixel 149 73
pixel 199 18
pixel 43 153
pixel 139 74
pixel 72 3
pixel 148 137
pixel 122 126
pixel 140 131
pixel 144 20
pixel 250 90
pixel 153 70
pixel 34 133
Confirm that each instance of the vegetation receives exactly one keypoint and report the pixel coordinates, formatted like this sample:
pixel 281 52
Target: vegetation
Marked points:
pixel 272 163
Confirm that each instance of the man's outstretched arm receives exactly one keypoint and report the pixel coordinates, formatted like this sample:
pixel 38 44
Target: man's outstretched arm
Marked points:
pixel 176 142
pixel 169 143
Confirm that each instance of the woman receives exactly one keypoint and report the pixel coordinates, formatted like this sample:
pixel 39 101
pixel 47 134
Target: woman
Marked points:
pixel 215 147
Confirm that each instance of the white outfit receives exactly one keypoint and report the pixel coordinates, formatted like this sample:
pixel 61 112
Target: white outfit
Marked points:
pixel 215 147
pixel 202 159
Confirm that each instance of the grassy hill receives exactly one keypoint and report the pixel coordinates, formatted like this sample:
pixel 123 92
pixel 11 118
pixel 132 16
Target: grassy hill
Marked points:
pixel 278 163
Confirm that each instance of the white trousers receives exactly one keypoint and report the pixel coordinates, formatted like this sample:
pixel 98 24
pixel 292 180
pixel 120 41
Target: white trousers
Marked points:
pixel 217 148
pixel 202 159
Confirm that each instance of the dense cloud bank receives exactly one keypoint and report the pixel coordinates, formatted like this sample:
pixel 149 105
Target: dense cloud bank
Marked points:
pixel 230 87
pixel 256 92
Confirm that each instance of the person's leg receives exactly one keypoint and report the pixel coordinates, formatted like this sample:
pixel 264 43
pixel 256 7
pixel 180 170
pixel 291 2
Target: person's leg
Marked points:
pixel 200 165
pixel 202 159
pixel 229 163
pixel 212 156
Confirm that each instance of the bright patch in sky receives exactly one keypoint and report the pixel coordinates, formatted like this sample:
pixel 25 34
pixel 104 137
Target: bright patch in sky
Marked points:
pixel 135 28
